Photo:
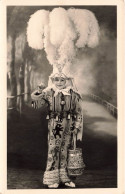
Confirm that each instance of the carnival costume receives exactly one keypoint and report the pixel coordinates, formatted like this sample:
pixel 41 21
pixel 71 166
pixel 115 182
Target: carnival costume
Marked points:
pixel 61 33
pixel 64 117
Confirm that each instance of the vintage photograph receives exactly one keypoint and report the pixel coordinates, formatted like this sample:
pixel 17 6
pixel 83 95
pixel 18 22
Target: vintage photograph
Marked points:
pixel 62 97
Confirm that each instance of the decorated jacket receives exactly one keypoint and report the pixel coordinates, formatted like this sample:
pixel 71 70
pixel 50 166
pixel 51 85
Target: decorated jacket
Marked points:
pixel 64 103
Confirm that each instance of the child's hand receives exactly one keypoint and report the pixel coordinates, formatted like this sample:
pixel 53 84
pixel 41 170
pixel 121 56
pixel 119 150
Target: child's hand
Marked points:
pixel 41 86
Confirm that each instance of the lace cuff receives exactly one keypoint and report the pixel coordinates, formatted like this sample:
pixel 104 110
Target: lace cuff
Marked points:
pixel 51 177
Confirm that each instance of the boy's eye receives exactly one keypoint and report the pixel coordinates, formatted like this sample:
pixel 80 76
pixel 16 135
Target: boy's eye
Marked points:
pixel 56 79
pixel 61 80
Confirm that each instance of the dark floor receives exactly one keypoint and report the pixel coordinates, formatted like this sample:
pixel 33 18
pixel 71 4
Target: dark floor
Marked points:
pixel 32 179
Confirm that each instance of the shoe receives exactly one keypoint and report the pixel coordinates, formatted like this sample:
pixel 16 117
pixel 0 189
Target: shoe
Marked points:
pixel 70 184
pixel 54 186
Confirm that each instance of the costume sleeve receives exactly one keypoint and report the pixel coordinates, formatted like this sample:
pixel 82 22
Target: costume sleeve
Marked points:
pixel 38 99
pixel 79 117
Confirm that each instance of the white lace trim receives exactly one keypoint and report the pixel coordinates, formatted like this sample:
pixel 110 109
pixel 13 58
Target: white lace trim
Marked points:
pixel 51 177
pixel 63 175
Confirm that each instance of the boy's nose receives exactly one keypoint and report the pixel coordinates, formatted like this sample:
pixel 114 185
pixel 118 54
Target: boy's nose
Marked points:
pixel 59 81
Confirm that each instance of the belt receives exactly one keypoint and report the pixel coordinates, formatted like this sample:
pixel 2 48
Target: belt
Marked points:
pixel 62 114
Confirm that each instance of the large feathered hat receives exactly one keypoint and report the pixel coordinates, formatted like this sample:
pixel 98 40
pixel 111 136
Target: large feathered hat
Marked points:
pixel 61 33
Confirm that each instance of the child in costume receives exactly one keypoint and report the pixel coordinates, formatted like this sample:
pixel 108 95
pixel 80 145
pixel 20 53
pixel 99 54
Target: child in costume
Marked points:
pixel 60 33
pixel 64 118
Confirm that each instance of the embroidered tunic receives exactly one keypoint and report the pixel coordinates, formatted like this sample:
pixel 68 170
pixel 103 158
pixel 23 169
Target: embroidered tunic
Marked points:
pixel 64 115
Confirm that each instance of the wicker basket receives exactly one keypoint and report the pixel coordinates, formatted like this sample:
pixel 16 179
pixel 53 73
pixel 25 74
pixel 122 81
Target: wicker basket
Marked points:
pixel 75 161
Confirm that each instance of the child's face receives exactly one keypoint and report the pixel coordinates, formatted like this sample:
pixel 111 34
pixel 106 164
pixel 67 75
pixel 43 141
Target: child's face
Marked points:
pixel 59 82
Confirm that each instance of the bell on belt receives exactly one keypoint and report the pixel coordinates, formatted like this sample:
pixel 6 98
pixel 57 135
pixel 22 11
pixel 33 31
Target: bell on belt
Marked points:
pixel 57 118
pixel 68 116
pixel 32 104
pixel 47 117
pixel 75 116
pixel 62 102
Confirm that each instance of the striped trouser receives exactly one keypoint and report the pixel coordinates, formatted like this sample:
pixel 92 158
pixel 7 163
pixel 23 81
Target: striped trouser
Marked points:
pixel 59 139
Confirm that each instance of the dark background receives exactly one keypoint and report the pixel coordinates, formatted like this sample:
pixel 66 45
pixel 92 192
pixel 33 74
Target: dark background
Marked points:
pixel 27 134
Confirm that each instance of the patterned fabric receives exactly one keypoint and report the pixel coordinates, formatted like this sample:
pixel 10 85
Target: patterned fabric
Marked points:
pixel 64 115
pixel 63 175
pixel 51 177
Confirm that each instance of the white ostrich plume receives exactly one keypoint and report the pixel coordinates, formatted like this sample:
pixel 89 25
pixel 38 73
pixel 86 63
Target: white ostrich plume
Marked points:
pixel 35 29
pixel 60 32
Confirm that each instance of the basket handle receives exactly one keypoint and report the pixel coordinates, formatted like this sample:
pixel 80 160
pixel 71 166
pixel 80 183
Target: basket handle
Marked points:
pixel 74 141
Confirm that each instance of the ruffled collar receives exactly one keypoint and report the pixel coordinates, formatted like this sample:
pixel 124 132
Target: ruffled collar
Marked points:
pixel 65 91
